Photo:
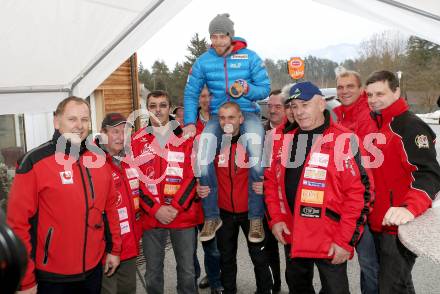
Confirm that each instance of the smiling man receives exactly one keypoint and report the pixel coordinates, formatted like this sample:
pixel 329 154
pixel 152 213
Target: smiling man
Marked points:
pixel 61 213
pixel 354 114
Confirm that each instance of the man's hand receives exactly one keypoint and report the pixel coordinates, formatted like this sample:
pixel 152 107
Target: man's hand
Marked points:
pixel 339 254
pixel 202 191
pixel 278 229
pixel 258 187
pixel 166 214
pixel 111 263
pixel 32 290
pixel 189 131
pixel 396 216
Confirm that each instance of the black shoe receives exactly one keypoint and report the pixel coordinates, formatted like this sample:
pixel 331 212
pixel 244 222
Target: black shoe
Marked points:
pixel 204 283
pixel 276 289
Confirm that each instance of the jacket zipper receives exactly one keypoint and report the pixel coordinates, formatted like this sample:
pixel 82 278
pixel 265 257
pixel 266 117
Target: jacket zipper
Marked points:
pixel 230 178
pixel 87 215
pixel 46 245
pixel 225 66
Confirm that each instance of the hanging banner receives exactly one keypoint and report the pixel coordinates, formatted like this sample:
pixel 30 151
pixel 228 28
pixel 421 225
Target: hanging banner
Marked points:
pixel 295 67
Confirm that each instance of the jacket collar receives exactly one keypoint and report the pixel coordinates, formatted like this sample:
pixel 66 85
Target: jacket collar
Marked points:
pixel 386 115
pixel 350 111
pixel 70 148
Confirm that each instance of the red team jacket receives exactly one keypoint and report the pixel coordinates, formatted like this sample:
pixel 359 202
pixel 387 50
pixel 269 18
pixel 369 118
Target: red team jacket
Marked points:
pixel 409 175
pixel 59 215
pixel 330 205
pixel 232 178
pixel 167 178
pixel 127 203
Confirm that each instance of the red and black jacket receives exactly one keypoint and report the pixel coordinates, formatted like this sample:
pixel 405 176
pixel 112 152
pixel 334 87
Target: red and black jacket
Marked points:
pixel 333 196
pixel 232 176
pixel 126 181
pixel 410 174
pixel 166 177
pixel 59 211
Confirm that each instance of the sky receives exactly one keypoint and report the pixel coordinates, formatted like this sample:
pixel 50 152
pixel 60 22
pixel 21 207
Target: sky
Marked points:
pixel 277 29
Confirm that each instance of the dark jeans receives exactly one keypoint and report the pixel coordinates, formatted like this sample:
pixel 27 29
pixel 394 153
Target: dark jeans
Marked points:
pixel 183 243
pixel 396 263
pixel 212 262
pixel 368 262
pixel 227 242
pixel 90 285
pixel 273 255
pixel 123 281
pixel 299 275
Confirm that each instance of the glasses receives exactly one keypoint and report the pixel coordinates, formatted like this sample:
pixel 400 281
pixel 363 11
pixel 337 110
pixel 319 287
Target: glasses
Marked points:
pixel 161 105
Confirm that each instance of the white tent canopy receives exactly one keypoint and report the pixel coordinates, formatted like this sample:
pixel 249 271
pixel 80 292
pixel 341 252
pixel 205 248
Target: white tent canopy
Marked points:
pixel 51 49
pixel 54 48
pixel 414 17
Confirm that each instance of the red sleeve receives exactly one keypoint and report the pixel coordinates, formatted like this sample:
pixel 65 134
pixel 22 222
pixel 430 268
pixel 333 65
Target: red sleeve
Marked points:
pixel 113 218
pixel 271 191
pixel 358 193
pixel 22 207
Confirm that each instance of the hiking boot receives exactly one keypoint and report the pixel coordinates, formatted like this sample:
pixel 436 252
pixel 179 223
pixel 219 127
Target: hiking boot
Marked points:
pixel 204 283
pixel 209 228
pixel 256 230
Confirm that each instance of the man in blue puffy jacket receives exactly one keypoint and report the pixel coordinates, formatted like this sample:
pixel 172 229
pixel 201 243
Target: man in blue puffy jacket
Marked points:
pixel 231 72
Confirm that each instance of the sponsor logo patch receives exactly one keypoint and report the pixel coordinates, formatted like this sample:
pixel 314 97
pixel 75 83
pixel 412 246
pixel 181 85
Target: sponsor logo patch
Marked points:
pixel 173 180
pixel 315 173
pixel 312 196
pixel 171 189
pixel 125 227
pixel 176 156
pixel 239 56
pixel 313 184
pixel 319 159
pixel 131 173
pixel 136 202
pixel 134 184
pixel 174 171
pixel 66 177
pixel 309 211
pixel 422 141
pixel 122 213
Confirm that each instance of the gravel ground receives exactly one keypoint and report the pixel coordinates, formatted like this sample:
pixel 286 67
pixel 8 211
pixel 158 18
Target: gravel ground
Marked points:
pixel 425 274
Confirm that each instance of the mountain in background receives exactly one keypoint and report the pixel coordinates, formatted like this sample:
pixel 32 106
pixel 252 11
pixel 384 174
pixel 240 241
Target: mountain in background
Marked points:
pixel 337 53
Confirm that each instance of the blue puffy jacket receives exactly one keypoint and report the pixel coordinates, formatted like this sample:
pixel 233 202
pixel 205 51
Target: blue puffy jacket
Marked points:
pixel 219 73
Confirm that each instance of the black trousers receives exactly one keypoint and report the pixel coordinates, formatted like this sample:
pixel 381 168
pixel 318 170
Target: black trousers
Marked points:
pixel 273 254
pixel 299 275
pixel 227 243
pixel 90 285
pixel 395 265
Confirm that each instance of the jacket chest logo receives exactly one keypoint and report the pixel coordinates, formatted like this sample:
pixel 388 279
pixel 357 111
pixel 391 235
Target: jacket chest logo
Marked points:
pixel 312 196
pixel 66 177
pixel 422 141
pixel 239 56
pixel 319 159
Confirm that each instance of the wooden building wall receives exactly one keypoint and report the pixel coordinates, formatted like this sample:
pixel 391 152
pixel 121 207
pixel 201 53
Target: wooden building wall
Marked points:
pixel 119 92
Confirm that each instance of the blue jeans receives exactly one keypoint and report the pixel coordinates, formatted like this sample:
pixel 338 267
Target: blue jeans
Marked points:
pixel 368 262
pixel 252 137
pixel 183 242
pixel 212 262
